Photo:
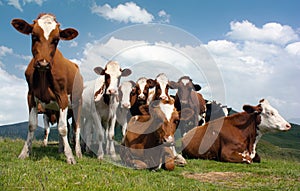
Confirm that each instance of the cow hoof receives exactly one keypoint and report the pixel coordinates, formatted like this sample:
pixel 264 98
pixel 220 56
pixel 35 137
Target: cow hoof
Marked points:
pixel 23 155
pixel 101 157
pixel 45 143
pixel 114 157
pixel 180 161
pixel 71 160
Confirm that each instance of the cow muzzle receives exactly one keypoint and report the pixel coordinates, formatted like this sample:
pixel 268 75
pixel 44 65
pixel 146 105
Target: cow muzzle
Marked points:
pixel 43 65
pixel 169 141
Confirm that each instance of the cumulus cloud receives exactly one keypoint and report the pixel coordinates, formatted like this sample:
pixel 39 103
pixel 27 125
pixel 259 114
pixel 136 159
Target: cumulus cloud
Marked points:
pixel 128 12
pixel 270 32
pixel 17 5
pixel 260 62
pixel 164 17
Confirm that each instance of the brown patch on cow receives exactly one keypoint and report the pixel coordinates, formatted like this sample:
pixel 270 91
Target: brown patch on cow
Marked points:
pixel 216 177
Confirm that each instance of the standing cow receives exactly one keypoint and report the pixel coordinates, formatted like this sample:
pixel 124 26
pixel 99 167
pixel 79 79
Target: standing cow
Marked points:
pixel 100 102
pixel 188 97
pixel 234 138
pixel 51 78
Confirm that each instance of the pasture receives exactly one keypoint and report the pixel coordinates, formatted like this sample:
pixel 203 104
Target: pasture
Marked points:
pixel 45 169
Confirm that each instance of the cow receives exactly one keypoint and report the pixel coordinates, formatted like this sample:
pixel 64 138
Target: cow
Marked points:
pixel 214 110
pixel 100 102
pixel 125 103
pixel 51 78
pixel 188 97
pixel 148 138
pixel 140 94
pixel 234 138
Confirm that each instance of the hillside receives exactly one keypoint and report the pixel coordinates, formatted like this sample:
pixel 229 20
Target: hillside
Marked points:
pixel 290 139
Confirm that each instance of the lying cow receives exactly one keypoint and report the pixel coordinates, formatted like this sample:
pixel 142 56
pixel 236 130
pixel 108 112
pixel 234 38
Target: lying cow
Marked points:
pixel 146 144
pixel 234 138
pixel 51 78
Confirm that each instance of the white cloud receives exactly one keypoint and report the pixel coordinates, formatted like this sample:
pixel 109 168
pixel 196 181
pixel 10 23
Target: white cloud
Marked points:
pixel 13 99
pixel 128 12
pixel 164 17
pixel 293 48
pixel 270 32
pixel 17 5
pixel 255 64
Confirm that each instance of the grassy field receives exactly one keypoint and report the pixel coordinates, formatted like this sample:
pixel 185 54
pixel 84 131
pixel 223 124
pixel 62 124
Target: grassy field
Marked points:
pixel 47 170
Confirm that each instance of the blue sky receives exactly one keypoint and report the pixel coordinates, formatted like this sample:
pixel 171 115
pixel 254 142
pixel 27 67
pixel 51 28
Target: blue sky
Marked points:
pixel 255 45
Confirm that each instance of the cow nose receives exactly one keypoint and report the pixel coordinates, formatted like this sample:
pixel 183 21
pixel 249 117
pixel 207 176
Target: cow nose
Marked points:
pixel 112 91
pixel 126 105
pixel 43 63
pixel 141 97
pixel 163 97
pixel 288 126
pixel 169 139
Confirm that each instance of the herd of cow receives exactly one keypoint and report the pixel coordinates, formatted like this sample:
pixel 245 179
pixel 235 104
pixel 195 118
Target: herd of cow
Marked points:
pixel 149 116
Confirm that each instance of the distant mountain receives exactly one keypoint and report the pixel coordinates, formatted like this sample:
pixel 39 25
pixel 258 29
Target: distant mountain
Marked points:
pixel 20 130
pixel 294 120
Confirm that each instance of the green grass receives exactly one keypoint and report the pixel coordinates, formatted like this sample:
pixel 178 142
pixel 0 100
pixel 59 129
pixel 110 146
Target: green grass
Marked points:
pixel 45 169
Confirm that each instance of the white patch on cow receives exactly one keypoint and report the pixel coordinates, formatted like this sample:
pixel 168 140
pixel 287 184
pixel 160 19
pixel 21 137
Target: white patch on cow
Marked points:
pixel 151 93
pixel 271 120
pixel 163 81
pixel 253 153
pixel 142 82
pixel 33 121
pixel 167 109
pixel 48 24
pixel 114 70
pixel 185 81
pixel 125 88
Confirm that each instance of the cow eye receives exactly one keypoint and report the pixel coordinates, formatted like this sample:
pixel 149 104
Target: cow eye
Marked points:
pixel 55 41
pixel 34 38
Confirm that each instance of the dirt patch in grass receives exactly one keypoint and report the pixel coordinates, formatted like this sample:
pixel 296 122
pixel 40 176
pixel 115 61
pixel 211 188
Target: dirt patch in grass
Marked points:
pixel 215 177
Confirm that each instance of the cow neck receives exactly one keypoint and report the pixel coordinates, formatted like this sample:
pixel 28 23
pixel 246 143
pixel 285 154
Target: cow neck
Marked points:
pixel 43 85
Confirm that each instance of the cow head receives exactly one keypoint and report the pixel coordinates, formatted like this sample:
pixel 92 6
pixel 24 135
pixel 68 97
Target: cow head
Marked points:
pixel 142 89
pixel 112 73
pixel 162 87
pixel 185 86
pixel 165 114
pixel 270 119
pixel 125 91
pixel 45 35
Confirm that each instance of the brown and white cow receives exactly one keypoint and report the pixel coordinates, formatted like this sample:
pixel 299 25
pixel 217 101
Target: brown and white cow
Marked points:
pixel 140 95
pixel 100 102
pixel 188 97
pixel 147 141
pixel 51 78
pixel 234 138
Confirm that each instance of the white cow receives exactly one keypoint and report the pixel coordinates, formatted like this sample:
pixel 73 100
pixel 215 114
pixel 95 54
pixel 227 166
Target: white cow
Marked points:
pixel 125 90
pixel 100 102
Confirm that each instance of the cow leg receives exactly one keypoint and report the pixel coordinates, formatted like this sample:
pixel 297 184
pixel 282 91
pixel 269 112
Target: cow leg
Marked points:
pixel 235 156
pixel 179 159
pixel 63 131
pixel 110 147
pixel 46 129
pixel 33 121
pixel 77 141
pixel 168 158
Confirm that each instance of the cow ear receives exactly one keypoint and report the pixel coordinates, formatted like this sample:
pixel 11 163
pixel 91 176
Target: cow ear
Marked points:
pixel 68 34
pixel 197 87
pixel 173 85
pixel 22 26
pixel 126 72
pixel 99 70
pixel 151 83
pixel 249 108
pixel 132 83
